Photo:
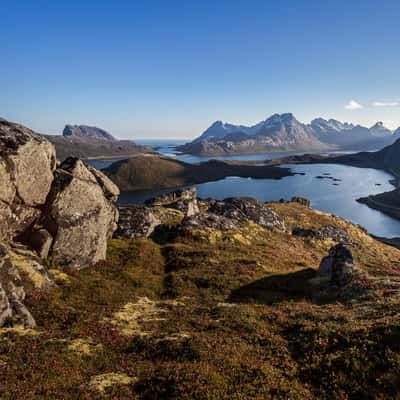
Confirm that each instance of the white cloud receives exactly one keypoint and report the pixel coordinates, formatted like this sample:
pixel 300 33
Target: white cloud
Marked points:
pixel 385 103
pixel 353 105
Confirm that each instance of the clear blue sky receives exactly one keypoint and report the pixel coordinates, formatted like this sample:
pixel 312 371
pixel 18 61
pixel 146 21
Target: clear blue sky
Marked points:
pixel 161 69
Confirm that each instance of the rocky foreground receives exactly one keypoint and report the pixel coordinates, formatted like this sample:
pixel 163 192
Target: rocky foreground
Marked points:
pixel 191 298
pixel 49 213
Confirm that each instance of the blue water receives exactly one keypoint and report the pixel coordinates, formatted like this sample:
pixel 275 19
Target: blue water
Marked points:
pixel 336 197
pixel 165 147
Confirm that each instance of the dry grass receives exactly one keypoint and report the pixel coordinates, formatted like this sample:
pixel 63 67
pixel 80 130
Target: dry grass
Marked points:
pixel 234 317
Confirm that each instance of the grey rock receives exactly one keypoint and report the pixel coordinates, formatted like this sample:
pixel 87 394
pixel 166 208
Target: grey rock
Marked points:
pixel 27 162
pixel 5 307
pixel 110 190
pixel 337 266
pixel 209 220
pixel 80 215
pixel 183 200
pixel 136 222
pixel 326 232
pixel 13 262
pixel 242 209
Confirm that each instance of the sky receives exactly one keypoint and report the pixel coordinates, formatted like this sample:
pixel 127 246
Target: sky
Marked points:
pixel 167 69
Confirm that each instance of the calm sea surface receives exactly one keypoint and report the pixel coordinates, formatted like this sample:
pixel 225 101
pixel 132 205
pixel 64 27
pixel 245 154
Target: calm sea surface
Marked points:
pixel 334 196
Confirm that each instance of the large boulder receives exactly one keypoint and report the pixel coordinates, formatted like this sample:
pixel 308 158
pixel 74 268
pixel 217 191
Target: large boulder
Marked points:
pixel 80 214
pixel 27 162
pixel 337 267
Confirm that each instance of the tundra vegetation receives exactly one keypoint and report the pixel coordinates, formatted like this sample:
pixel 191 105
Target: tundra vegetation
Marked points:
pixel 214 314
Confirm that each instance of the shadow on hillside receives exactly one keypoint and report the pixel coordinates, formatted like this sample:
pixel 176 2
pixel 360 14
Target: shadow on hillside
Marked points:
pixel 276 288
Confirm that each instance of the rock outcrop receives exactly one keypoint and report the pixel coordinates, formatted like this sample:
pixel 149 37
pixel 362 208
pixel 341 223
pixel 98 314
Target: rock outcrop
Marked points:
pixel 141 221
pixel 183 200
pixel 17 262
pixel 65 212
pixel 326 232
pixel 27 163
pixel 337 266
pixel 185 211
pixel 209 220
pixel 136 222
pixel 80 214
pixel 242 209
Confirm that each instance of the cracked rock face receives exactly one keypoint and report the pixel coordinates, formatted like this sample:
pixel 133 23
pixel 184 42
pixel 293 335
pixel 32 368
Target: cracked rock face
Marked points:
pixel 80 214
pixel 27 163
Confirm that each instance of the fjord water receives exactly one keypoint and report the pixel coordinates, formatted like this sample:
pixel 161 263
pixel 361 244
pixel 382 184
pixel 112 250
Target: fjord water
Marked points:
pixel 336 197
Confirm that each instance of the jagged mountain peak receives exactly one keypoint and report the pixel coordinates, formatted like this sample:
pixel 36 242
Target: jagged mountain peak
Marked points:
pixel 322 125
pixel 379 129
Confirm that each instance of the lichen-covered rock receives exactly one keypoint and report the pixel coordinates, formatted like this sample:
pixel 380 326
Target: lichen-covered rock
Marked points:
pixel 5 307
pixel 209 220
pixel 337 267
pixel 18 267
pixel 331 232
pixel 136 222
pixel 27 162
pixel 110 189
pixel 80 214
pixel 243 209
pixel 183 200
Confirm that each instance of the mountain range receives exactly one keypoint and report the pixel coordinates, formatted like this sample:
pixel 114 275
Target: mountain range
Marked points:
pixel 283 132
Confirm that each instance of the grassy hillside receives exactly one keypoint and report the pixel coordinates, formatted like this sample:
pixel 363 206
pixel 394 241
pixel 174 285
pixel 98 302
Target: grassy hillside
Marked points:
pixel 153 172
pixel 207 314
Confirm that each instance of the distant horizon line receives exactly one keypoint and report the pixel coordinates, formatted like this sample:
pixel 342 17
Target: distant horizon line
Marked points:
pixel 389 125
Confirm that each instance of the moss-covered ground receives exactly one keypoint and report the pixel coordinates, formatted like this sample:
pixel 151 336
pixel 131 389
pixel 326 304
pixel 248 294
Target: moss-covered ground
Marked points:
pixel 213 315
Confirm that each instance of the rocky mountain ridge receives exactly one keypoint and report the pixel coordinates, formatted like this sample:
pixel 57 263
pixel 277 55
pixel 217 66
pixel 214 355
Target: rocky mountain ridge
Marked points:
pixel 86 132
pixel 283 132
pixel 86 142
